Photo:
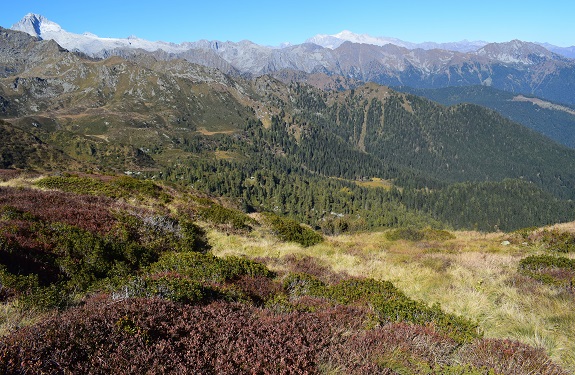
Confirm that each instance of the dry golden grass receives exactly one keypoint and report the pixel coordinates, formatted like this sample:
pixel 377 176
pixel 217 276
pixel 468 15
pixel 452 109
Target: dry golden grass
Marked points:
pixel 13 317
pixel 474 275
pixel 20 182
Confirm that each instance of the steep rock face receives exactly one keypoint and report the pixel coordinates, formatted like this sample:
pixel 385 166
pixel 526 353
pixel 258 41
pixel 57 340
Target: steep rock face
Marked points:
pixel 20 52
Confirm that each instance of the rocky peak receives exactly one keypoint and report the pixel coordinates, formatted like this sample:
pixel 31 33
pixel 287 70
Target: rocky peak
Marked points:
pixel 516 51
pixel 36 25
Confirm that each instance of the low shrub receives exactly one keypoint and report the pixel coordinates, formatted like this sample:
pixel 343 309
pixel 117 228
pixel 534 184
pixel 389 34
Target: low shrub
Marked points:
pixel 398 348
pixel 291 231
pixel 388 303
pixel 412 234
pixel 152 335
pixel 311 266
pixel 160 232
pixel 208 268
pixel 509 357
pixel 217 214
pixel 172 287
pixel 87 212
pixel 85 257
pixel 556 240
pixel 550 239
pixel 77 185
pixel 137 336
pixel 407 234
pixel 117 187
pixel 548 269
pixel 130 186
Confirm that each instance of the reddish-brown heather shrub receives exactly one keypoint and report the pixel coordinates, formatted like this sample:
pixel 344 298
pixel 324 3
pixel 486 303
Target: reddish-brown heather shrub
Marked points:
pixel 23 234
pixel 158 336
pixel 311 266
pixel 309 303
pixel 390 346
pixel 84 211
pixel 9 174
pixel 508 357
pixel 258 288
pixel 151 336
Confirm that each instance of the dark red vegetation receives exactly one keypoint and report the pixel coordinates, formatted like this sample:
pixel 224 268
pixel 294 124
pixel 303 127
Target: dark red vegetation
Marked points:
pixel 167 305
pixel 135 336
pixel 88 212
pixel 510 357
pixel 158 336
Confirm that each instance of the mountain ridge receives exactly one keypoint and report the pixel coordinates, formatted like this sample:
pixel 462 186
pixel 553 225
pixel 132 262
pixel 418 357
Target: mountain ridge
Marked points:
pixel 515 66
pixel 38 25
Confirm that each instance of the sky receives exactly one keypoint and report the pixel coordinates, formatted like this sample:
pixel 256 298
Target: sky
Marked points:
pixel 274 22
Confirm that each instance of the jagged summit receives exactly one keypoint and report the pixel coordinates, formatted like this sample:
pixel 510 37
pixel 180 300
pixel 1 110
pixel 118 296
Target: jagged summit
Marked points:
pixel 36 25
pixel 89 43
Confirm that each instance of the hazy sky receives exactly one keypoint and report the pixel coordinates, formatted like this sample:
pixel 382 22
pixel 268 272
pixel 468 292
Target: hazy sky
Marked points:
pixel 274 22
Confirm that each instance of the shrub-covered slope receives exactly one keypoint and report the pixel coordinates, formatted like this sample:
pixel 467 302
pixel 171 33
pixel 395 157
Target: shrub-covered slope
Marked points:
pixel 120 276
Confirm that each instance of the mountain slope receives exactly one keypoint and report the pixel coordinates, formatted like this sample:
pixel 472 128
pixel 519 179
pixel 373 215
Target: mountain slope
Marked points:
pixel 514 66
pixel 459 143
pixel 287 148
pixel 115 273
pixel 22 150
pixel 552 120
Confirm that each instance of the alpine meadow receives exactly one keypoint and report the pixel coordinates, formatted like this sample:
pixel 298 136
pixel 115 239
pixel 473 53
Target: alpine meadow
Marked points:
pixel 341 206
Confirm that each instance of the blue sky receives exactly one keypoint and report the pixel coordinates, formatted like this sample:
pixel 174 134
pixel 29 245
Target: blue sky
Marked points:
pixel 274 22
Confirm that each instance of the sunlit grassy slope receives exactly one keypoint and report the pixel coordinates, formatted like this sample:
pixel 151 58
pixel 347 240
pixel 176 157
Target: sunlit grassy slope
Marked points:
pixel 474 274
pixel 471 274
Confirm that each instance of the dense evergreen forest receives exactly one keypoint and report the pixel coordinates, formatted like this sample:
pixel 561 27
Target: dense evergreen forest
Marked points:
pixel 461 167
pixel 554 120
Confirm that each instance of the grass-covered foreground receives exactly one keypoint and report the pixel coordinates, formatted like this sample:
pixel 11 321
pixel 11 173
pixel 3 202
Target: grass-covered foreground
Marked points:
pixel 105 274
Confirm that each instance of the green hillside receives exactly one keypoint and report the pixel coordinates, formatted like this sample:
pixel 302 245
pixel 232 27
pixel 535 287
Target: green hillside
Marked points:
pixel 555 121
pixel 162 217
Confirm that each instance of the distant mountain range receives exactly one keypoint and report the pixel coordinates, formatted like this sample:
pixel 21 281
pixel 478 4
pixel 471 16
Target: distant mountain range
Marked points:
pixel 516 66
pixel 335 40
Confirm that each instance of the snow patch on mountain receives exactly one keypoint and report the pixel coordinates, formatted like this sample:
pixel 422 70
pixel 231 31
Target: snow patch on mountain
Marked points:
pixel 336 40
pixel 39 26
